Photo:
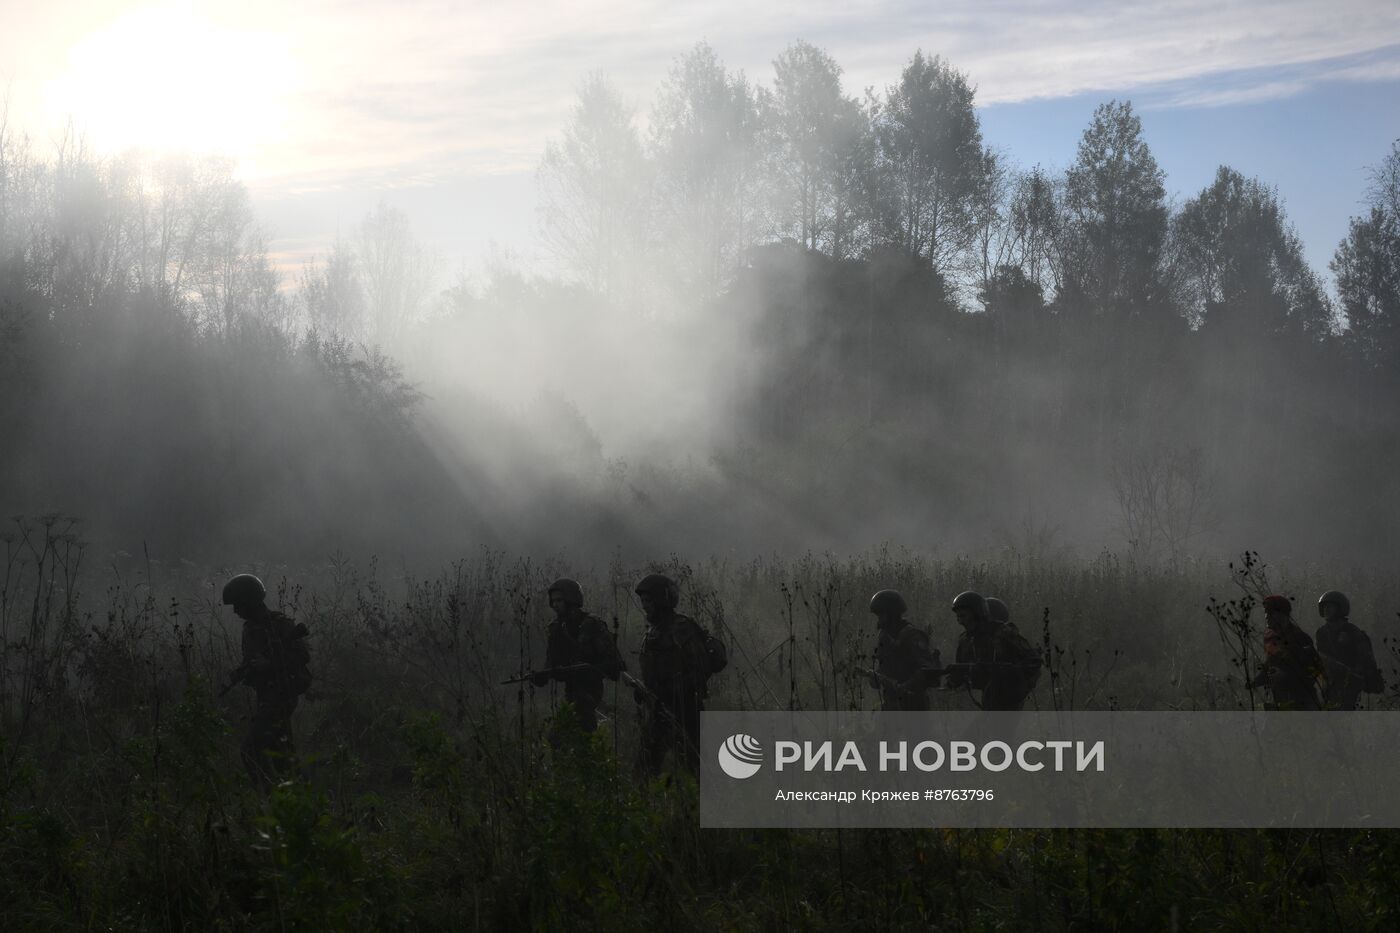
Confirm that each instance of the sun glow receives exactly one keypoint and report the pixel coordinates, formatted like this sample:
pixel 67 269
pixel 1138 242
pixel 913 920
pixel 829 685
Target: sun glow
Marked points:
pixel 166 78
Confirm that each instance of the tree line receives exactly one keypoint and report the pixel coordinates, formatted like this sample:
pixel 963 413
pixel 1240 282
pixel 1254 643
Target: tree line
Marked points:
pixel 725 164
pixel 904 317
pixel 917 311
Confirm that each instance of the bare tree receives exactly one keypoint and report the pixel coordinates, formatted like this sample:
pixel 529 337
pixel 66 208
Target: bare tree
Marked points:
pixel 231 274
pixel 594 187
pixel 1166 498
pixel 1367 267
pixel 1035 218
pixel 934 164
pixel 331 294
pixel 397 272
pixel 994 235
pixel 704 140
pixel 817 141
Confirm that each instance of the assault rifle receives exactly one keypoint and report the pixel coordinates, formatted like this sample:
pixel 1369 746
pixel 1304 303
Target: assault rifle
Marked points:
pixel 883 679
pixel 932 672
pixel 645 694
pixel 550 673
pixel 639 689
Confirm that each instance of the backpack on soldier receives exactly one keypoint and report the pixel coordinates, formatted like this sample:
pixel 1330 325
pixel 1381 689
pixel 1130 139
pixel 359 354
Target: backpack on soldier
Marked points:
pixel 1365 658
pixel 1372 680
pixel 1027 658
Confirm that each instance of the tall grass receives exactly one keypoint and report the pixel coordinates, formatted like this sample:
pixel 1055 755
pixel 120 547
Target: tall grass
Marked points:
pixel 431 798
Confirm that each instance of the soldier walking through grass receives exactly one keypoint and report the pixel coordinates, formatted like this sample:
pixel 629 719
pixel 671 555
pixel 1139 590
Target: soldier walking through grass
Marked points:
pixel 991 656
pixel 276 664
pixel 1292 667
pixel 1346 651
pixel 579 653
pixel 904 666
pixel 677 658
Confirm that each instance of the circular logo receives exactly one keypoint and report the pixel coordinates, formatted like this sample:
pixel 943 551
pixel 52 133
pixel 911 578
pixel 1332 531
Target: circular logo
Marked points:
pixel 740 756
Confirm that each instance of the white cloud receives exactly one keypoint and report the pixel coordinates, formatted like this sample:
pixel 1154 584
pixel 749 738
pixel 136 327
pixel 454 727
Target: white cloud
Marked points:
pixel 408 92
pixel 449 91
pixel 1252 94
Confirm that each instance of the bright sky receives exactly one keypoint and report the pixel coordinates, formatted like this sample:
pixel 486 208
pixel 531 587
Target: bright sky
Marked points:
pixel 443 108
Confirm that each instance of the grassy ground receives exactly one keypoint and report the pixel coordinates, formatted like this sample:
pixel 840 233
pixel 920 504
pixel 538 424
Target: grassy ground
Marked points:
pixel 431 799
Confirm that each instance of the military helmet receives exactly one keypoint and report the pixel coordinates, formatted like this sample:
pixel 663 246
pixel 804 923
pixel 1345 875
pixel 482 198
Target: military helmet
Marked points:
pixel 244 590
pixel 998 610
pixel 888 602
pixel 1337 599
pixel 974 602
pixel 661 587
pixel 569 589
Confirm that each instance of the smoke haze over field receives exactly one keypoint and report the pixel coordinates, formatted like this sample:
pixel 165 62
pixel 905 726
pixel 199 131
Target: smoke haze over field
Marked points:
pixel 779 313
pixel 332 332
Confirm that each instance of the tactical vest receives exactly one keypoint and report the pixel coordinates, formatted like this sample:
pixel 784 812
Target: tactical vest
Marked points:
pixel 1006 666
pixel 675 664
pixel 583 639
pixel 902 657
pixel 277 639
pixel 1355 670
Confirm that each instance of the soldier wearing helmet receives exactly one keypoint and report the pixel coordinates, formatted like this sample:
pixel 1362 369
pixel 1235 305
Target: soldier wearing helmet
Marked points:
pixel 992 656
pixel 276 665
pixel 579 652
pixel 1291 666
pixel 1346 652
pixel 675 671
pixel 904 666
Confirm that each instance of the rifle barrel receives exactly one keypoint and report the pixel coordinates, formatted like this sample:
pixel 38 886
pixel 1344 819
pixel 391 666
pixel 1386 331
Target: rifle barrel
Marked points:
pixel 551 671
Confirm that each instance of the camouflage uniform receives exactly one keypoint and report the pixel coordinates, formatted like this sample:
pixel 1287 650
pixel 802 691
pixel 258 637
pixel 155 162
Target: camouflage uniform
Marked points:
pixel 1001 663
pixel 581 638
pixel 273 638
pixel 1291 672
pixel 905 666
pixel 1346 651
pixel 675 668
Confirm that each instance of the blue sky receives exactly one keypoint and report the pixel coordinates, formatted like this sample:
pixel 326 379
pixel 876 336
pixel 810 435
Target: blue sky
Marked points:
pixel 443 108
pixel 1315 147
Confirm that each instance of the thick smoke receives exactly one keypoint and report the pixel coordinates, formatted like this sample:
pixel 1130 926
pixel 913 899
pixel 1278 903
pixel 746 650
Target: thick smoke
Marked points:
pixel 783 318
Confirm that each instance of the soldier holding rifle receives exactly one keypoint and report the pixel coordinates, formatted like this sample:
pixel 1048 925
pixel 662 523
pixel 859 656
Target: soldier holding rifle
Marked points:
pixel 579 653
pixel 904 666
pixel 992 656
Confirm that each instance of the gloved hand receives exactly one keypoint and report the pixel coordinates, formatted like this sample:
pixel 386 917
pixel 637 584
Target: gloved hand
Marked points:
pixel 539 678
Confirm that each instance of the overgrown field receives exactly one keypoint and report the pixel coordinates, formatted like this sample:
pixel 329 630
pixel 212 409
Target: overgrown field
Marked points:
pixel 431 798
